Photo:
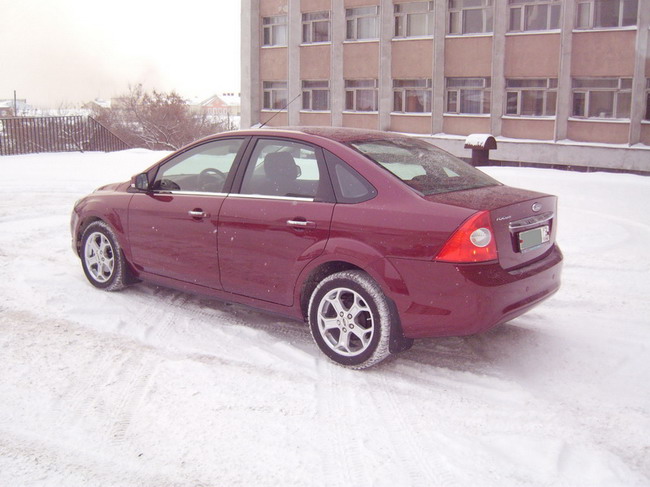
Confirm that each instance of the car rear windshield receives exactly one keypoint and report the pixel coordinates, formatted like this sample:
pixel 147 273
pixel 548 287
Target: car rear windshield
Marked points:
pixel 422 166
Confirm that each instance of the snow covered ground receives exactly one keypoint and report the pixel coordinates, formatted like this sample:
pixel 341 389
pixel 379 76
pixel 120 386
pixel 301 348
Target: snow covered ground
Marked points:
pixel 154 387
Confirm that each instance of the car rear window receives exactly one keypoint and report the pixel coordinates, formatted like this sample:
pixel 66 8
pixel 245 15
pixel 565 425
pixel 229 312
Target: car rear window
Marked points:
pixel 422 166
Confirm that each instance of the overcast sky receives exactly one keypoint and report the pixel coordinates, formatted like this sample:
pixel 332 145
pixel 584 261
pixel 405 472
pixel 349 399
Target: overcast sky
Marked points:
pixel 65 52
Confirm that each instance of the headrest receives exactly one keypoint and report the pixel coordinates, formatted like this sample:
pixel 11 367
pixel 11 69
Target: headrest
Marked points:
pixel 280 166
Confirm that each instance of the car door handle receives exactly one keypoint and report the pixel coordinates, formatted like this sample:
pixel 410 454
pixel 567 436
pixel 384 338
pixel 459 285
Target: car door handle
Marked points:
pixel 198 213
pixel 301 223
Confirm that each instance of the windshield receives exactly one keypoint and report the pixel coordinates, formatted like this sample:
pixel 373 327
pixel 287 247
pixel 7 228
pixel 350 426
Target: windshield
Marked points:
pixel 422 166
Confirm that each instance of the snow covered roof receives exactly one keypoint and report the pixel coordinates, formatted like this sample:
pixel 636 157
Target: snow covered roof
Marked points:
pixel 480 141
pixel 10 103
pixel 102 103
pixel 228 99
pixel 232 99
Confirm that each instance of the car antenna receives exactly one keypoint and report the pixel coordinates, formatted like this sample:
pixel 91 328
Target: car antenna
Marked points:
pixel 280 110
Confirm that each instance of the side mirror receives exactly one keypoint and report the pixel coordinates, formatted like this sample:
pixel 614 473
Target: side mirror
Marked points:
pixel 140 182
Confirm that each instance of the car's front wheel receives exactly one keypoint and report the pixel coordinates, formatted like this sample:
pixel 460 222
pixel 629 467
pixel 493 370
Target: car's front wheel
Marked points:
pixel 101 257
pixel 350 319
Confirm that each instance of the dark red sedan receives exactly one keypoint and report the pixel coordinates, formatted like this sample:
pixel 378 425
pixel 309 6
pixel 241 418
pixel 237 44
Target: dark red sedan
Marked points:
pixel 373 238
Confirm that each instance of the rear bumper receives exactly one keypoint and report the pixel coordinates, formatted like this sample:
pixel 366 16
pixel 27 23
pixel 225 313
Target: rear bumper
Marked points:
pixel 445 299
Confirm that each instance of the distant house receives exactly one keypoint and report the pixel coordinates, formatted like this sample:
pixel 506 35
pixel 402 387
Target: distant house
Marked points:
pixel 226 104
pixel 97 104
pixel 7 107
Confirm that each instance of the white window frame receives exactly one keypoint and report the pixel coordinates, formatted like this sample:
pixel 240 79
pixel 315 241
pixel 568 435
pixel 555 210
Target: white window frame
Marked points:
pixel 457 88
pixel 353 87
pixel 586 14
pixel 404 88
pixel 271 27
pixel 587 88
pixel 518 88
pixel 272 92
pixel 405 13
pixel 310 20
pixel 458 12
pixel 647 100
pixel 308 89
pixel 520 11
pixel 353 18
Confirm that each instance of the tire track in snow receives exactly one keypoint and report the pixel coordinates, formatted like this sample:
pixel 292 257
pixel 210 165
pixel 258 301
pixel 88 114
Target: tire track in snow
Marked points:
pixel 337 448
pixel 115 375
pixel 140 367
pixel 165 313
pixel 113 392
pixel 421 469
pixel 229 314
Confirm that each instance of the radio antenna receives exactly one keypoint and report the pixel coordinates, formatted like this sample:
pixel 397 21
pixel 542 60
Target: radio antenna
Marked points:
pixel 281 110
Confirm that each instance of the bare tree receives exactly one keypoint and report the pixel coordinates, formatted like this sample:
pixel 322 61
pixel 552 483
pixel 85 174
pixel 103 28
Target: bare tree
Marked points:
pixel 156 120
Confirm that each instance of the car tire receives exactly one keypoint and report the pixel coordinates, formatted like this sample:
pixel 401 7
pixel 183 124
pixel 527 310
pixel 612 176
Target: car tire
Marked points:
pixel 102 259
pixel 350 319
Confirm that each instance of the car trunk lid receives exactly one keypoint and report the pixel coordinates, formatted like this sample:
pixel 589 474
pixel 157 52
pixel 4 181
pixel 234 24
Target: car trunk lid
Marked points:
pixel 524 222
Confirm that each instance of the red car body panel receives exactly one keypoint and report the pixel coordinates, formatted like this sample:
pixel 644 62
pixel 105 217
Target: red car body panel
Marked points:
pixel 261 253
pixel 264 251
pixel 164 239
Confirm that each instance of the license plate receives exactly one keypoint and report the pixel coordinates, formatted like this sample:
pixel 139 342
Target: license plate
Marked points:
pixel 531 239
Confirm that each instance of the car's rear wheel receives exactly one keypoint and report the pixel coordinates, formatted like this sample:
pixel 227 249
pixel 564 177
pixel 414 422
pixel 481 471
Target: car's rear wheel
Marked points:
pixel 101 257
pixel 350 319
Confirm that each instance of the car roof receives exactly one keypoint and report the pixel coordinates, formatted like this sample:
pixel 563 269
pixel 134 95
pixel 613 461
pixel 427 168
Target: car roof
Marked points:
pixel 338 134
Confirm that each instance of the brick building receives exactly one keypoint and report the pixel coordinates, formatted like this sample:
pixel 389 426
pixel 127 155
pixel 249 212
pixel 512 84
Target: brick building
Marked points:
pixel 559 82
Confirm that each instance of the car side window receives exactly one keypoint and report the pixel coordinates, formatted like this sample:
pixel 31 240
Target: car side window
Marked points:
pixel 349 185
pixel 202 169
pixel 283 168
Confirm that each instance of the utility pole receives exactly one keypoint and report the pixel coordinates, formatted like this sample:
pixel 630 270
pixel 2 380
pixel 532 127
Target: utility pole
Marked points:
pixel 15 105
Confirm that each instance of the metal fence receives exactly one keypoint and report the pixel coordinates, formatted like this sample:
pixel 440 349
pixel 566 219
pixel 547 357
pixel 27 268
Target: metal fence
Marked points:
pixel 25 135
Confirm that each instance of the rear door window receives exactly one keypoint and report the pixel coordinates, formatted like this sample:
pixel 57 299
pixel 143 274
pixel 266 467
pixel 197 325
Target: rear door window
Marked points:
pixel 287 169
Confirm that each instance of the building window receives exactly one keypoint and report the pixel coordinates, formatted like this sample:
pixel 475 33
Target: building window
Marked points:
pixel 534 15
pixel 412 95
pixel 361 95
pixel 414 19
pixel 362 23
pixel 533 97
pixel 593 14
pixel 315 27
pixel 602 97
pixel 275 95
pixel 647 99
pixel 468 95
pixel 470 16
pixel 274 30
pixel 316 95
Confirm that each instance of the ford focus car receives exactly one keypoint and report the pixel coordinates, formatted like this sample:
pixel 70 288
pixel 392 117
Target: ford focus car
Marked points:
pixel 373 238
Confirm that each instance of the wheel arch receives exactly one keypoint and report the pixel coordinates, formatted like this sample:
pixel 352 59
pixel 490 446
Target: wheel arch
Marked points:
pixel 316 275
pixel 356 255
pixel 81 229
pixel 115 218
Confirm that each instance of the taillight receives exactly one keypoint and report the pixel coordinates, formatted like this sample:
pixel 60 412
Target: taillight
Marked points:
pixel 473 242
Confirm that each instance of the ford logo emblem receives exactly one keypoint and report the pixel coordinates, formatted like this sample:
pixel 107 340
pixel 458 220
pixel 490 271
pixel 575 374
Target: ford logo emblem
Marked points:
pixel 537 206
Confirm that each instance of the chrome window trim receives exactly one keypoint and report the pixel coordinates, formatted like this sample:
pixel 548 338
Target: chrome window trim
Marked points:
pixel 188 193
pixel 268 197
pixel 232 195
